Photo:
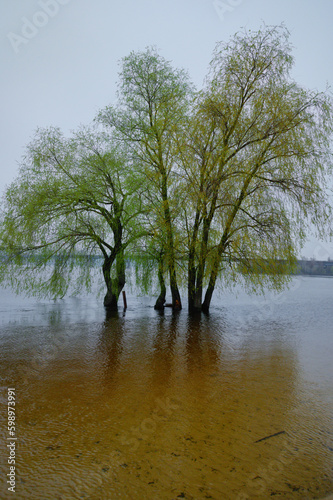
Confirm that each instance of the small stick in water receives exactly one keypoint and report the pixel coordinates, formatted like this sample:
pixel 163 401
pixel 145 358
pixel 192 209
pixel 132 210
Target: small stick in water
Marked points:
pixel 270 436
pixel 124 299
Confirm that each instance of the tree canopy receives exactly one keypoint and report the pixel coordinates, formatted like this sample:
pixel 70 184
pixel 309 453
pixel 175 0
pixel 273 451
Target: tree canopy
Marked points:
pixel 256 158
pixel 73 198
pixel 216 184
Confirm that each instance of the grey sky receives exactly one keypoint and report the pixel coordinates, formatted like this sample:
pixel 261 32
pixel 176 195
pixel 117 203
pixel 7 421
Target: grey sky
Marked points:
pixel 59 58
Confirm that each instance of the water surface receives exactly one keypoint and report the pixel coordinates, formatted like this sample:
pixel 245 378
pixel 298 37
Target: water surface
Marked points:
pixel 143 405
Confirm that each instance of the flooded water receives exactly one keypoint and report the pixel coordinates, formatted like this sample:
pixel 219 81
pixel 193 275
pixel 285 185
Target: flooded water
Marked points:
pixel 143 405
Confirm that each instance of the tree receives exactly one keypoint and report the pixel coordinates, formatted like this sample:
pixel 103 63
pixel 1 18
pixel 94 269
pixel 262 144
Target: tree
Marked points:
pixel 74 197
pixel 153 103
pixel 255 163
pixel 221 184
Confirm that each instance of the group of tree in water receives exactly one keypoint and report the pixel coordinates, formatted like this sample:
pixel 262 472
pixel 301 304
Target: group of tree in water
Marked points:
pixel 194 186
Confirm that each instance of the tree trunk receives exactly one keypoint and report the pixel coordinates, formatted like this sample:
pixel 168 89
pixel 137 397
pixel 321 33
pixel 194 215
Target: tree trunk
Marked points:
pixel 194 293
pixel 114 285
pixel 213 275
pixel 198 300
pixel 192 272
pixel 196 274
pixel 208 296
pixel 176 300
pixel 191 287
pixel 159 306
pixel 111 300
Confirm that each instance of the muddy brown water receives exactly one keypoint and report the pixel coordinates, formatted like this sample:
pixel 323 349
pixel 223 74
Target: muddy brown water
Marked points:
pixel 143 405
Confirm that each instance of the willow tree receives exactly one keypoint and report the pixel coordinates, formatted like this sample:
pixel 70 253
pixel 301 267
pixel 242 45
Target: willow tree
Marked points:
pixel 224 182
pixel 74 198
pixel 255 165
pixel 153 103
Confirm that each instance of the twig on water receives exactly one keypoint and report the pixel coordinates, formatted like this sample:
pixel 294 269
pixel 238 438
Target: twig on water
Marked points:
pixel 270 436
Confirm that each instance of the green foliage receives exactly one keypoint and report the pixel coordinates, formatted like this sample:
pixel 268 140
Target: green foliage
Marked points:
pixel 73 198
pixel 208 187
pixel 257 158
pixel 153 104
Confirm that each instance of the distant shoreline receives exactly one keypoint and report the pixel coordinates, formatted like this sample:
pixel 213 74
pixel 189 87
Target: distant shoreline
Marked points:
pixel 318 268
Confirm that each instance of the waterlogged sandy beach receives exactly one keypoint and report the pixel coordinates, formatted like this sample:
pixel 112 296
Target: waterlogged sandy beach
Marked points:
pixel 237 405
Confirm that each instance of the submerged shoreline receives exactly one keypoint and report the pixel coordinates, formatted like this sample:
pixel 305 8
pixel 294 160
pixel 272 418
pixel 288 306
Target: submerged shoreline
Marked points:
pixel 141 404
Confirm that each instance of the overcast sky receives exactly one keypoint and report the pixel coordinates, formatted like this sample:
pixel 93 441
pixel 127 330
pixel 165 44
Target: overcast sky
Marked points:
pixel 59 58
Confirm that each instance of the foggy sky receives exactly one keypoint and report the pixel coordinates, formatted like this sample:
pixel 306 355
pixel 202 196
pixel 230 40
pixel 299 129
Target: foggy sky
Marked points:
pixel 59 58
